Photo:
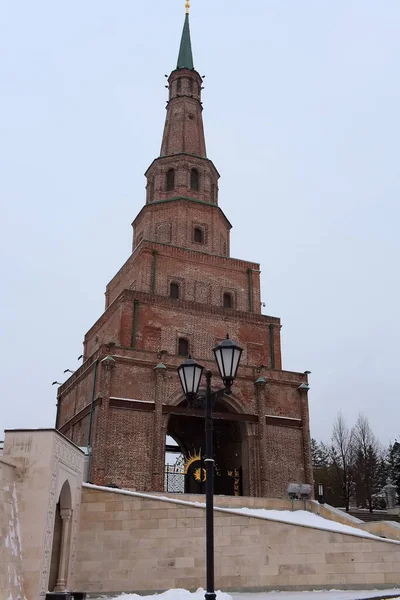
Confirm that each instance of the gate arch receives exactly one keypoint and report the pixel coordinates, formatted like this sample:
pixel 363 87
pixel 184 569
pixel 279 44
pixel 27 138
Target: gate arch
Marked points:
pixel 230 447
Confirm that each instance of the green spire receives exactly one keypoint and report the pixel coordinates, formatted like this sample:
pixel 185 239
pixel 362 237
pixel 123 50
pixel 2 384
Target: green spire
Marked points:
pixel 185 58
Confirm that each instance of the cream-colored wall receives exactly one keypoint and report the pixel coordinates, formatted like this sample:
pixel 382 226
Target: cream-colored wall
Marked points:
pixel 385 529
pixel 130 543
pixel 44 460
pixel 240 501
pixel 11 583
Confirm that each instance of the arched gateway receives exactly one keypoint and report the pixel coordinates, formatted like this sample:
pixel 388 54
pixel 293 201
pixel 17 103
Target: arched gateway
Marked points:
pixel 230 449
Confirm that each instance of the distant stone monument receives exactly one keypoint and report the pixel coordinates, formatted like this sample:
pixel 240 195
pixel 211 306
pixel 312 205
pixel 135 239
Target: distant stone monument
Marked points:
pixel 391 500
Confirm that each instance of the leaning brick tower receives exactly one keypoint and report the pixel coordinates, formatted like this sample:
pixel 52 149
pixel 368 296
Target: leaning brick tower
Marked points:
pixel 179 293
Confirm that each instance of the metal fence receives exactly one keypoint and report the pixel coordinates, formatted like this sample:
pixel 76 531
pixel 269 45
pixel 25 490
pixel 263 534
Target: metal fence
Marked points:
pixel 174 479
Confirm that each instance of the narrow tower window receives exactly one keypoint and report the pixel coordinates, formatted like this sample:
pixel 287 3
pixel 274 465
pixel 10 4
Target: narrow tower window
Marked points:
pixel 198 235
pixel 179 85
pixel 174 291
pixel 183 347
pixel 213 194
pixel 151 191
pixel 227 300
pixel 170 182
pixel 194 180
pixel 191 85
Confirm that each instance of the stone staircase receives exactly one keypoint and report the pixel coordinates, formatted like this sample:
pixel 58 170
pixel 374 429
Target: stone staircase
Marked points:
pixel 378 515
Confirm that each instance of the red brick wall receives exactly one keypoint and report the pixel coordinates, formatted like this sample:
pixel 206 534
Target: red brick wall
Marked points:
pixel 142 325
pixel 174 223
pixel 107 330
pixel 204 278
pixel 285 459
pixel 183 130
pixel 124 449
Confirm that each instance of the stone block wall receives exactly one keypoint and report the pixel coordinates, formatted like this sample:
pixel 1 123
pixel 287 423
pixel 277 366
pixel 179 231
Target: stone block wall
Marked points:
pixel 11 582
pixel 385 529
pixel 135 543
pixel 49 471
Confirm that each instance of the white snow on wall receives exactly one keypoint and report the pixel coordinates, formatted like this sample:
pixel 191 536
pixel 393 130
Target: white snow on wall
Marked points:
pixel 300 518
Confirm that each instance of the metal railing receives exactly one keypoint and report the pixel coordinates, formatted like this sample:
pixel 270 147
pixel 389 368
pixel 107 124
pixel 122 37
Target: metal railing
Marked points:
pixel 174 480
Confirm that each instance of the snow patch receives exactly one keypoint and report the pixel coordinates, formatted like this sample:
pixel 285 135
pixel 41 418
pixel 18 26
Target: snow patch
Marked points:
pixel 300 518
pixel 174 595
pixel 314 595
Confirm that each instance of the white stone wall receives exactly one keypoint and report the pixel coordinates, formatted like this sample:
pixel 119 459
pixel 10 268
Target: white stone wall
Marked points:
pixel 44 461
pixel 131 543
pixel 11 583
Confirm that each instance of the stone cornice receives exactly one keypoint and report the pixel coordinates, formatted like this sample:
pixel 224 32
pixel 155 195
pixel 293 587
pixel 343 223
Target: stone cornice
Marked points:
pixel 196 307
pixel 78 417
pixel 149 359
pixel 182 199
pixel 182 154
pixel 192 307
pixel 224 261
pixel 81 372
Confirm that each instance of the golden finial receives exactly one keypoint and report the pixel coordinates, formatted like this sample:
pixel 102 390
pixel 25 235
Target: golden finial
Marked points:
pixel 187 6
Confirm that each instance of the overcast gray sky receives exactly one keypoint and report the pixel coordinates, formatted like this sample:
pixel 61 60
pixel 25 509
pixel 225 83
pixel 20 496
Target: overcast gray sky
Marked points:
pixel 302 121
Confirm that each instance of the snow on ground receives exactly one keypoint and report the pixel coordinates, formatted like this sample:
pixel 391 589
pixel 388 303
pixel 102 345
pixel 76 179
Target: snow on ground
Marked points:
pixel 317 595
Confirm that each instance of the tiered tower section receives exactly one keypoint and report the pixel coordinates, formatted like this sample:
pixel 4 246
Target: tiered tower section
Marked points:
pixel 180 292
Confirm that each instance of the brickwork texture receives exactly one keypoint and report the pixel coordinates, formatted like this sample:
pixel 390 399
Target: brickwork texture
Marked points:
pixel 180 283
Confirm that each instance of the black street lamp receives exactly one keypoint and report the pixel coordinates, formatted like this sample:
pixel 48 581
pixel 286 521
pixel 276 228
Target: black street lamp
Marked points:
pixel 320 493
pixel 227 355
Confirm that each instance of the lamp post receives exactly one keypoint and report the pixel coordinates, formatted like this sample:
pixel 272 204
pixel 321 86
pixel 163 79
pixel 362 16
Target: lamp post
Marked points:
pixel 320 493
pixel 227 355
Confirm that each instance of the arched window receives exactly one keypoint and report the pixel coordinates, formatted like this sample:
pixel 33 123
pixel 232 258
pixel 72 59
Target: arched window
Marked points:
pixel 227 300
pixel 194 180
pixel 213 194
pixel 174 291
pixel 198 235
pixel 191 85
pixel 170 180
pixel 179 85
pixel 151 190
pixel 183 347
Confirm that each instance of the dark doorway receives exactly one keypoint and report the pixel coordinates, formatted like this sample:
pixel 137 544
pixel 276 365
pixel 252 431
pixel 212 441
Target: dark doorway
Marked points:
pixel 56 549
pixel 188 432
pixel 61 541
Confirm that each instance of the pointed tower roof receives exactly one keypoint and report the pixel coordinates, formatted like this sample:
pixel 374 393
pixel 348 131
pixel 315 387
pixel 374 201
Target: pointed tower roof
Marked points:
pixel 185 58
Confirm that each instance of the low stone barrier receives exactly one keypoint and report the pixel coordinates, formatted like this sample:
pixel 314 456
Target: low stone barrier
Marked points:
pixel 136 543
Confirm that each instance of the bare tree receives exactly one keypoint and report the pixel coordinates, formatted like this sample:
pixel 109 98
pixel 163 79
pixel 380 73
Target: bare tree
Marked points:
pixel 368 455
pixel 342 455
